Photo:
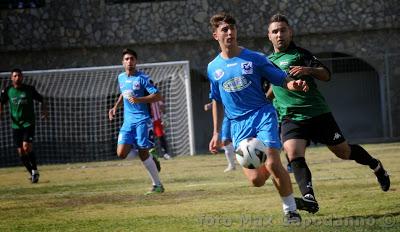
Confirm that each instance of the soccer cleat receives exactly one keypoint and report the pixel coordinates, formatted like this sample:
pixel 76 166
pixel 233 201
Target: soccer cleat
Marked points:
pixel 166 156
pixel 230 168
pixel 35 178
pixel 158 165
pixel 291 217
pixel 155 189
pixel 153 152
pixel 307 203
pixel 383 177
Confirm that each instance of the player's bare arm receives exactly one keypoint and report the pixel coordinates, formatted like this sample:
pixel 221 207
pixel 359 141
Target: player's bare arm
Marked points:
pixel 208 106
pixel 319 73
pixel 270 94
pixel 146 99
pixel 217 115
pixel 296 85
pixel 113 111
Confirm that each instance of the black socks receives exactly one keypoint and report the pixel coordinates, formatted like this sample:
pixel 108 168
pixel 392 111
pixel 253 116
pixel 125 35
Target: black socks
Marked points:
pixel 302 175
pixel 361 156
pixel 26 162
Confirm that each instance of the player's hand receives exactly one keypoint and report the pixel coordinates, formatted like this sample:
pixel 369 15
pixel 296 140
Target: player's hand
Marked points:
pixel 111 113
pixel 214 143
pixel 299 70
pixel 133 100
pixel 298 85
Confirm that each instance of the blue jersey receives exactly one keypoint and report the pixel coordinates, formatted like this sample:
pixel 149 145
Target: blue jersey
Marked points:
pixel 237 82
pixel 137 85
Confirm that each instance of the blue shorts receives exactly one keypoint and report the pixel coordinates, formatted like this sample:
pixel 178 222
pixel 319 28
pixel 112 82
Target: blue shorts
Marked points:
pixel 226 130
pixel 137 134
pixel 261 124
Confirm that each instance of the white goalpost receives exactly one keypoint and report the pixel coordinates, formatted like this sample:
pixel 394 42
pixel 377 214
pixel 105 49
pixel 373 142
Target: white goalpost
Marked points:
pixel 78 129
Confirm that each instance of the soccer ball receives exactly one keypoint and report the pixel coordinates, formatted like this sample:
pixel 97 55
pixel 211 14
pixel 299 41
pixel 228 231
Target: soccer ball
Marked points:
pixel 251 153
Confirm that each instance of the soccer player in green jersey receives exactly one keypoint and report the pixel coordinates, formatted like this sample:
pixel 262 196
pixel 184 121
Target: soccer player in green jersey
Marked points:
pixel 305 116
pixel 20 97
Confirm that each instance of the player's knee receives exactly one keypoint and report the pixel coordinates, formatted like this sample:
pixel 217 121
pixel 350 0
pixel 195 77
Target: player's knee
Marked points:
pixel 26 149
pixel 121 154
pixel 257 181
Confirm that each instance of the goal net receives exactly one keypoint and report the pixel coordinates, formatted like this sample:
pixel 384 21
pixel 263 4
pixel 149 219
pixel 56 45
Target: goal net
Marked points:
pixel 78 129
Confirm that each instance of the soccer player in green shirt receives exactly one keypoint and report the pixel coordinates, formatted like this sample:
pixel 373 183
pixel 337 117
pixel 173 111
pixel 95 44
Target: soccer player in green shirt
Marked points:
pixel 305 116
pixel 20 97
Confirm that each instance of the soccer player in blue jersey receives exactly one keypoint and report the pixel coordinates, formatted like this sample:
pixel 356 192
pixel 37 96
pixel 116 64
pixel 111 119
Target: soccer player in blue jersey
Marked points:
pixel 236 77
pixel 133 85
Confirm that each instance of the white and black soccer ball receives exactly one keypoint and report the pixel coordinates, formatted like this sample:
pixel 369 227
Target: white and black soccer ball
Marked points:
pixel 251 153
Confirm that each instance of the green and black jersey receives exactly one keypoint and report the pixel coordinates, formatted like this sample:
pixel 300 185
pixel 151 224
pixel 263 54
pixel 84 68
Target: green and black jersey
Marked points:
pixel 21 104
pixel 298 105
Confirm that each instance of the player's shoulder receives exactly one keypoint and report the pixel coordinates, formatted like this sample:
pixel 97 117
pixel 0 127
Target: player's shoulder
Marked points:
pixel 28 87
pixel 122 75
pixel 254 56
pixel 142 74
pixel 214 62
pixel 302 51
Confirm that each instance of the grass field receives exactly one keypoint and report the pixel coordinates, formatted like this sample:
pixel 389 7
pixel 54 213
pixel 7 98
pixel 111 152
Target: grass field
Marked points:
pixel 108 196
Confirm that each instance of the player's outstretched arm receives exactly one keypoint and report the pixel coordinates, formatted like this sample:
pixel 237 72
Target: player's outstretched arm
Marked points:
pixel 146 99
pixel 296 85
pixel 319 73
pixel 113 111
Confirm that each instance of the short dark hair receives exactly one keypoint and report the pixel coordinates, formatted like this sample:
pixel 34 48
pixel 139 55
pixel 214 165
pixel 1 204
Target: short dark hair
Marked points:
pixel 216 20
pixel 129 51
pixel 276 18
pixel 17 70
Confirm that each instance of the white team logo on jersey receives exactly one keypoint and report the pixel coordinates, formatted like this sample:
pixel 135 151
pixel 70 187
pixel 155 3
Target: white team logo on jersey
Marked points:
pixel 136 85
pixel 219 73
pixel 247 68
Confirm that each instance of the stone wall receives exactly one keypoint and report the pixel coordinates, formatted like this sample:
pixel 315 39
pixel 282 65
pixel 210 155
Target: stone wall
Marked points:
pixel 66 34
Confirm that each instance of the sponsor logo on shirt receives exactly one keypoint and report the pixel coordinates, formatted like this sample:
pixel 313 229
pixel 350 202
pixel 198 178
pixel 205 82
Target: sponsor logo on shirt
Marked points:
pixel 247 68
pixel 336 136
pixel 236 84
pixel 231 65
pixel 219 73
pixel 283 64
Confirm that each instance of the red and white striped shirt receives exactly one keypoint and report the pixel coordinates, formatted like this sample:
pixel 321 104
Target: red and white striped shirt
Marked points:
pixel 156 111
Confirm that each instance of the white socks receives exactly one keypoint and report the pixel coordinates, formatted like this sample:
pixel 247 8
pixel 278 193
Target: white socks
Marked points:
pixel 230 154
pixel 288 203
pixel 132 154
pixel 152 170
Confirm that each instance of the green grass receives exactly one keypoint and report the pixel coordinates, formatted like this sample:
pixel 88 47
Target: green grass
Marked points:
pixel 109 196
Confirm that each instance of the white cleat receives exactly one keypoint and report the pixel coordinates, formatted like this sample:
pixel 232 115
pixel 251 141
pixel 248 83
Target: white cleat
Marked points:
pixel 230 168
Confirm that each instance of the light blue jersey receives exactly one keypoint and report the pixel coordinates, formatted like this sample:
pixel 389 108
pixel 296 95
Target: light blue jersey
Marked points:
pixel 137 85
pixel 137 120
pixel 237 84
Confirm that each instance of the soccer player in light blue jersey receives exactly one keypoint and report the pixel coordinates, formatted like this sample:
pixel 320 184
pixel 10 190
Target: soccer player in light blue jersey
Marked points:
pixel 134 133
pixel 236 77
